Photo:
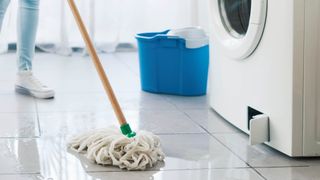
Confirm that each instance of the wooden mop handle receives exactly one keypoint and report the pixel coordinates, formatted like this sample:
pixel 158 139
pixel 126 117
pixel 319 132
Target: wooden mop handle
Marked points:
pixel 97 63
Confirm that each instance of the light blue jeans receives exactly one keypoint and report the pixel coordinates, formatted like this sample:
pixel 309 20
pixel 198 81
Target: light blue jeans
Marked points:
pixel 28 14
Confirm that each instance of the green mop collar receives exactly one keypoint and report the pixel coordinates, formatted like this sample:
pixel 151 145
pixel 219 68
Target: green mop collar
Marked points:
pixel 126 130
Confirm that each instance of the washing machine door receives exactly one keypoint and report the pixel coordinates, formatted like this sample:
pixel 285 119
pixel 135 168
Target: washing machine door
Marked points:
pixel 237 26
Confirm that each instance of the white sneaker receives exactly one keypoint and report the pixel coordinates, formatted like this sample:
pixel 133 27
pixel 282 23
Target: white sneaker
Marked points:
pixel 29 85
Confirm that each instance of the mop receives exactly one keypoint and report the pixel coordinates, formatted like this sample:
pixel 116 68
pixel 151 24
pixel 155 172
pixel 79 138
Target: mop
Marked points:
pixel 111 146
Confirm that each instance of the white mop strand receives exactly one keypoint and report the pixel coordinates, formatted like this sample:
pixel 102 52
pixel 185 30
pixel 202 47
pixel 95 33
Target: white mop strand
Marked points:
pixel 110 147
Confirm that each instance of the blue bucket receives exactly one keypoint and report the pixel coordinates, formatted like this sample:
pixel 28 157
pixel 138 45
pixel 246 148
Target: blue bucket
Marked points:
pixel 171 64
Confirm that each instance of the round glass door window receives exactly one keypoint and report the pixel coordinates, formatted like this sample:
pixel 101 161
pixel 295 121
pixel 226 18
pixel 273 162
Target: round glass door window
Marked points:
pixel 235 16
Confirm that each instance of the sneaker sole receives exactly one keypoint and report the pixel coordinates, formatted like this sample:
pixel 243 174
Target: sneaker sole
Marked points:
pixel 36 94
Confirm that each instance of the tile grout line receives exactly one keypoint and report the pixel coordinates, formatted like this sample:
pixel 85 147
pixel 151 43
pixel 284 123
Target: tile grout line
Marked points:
pixel 184 113
pixel 96 111
pixel 195 122
pixel 180 133
pixel 51 136
pixel 110 110
pixel 255 170
pixel 189 117
pixel 167 170
pixel 21 173
pixel 279 167
pixel 211 134
pixel 38 117
pixel 127 66
pixel 251 167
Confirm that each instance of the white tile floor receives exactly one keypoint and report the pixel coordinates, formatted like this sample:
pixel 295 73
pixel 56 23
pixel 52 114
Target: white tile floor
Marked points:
pixel 199 144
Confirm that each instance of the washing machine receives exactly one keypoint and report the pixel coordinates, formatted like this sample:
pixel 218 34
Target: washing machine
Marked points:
pixel 265 71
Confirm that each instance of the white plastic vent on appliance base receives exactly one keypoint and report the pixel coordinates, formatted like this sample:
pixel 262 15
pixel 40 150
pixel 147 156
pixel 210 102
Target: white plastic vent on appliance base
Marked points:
pixel 259 129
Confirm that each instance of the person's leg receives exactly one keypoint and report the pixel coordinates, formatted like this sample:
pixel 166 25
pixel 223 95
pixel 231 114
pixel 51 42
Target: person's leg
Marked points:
pixel 27 28
pixel 3 8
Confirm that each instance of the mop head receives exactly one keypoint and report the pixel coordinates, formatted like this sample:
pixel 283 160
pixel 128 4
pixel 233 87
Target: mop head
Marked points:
pixel 110 147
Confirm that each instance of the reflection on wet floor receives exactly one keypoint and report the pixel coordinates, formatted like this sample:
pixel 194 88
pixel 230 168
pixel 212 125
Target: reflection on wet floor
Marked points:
pixel 198 143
